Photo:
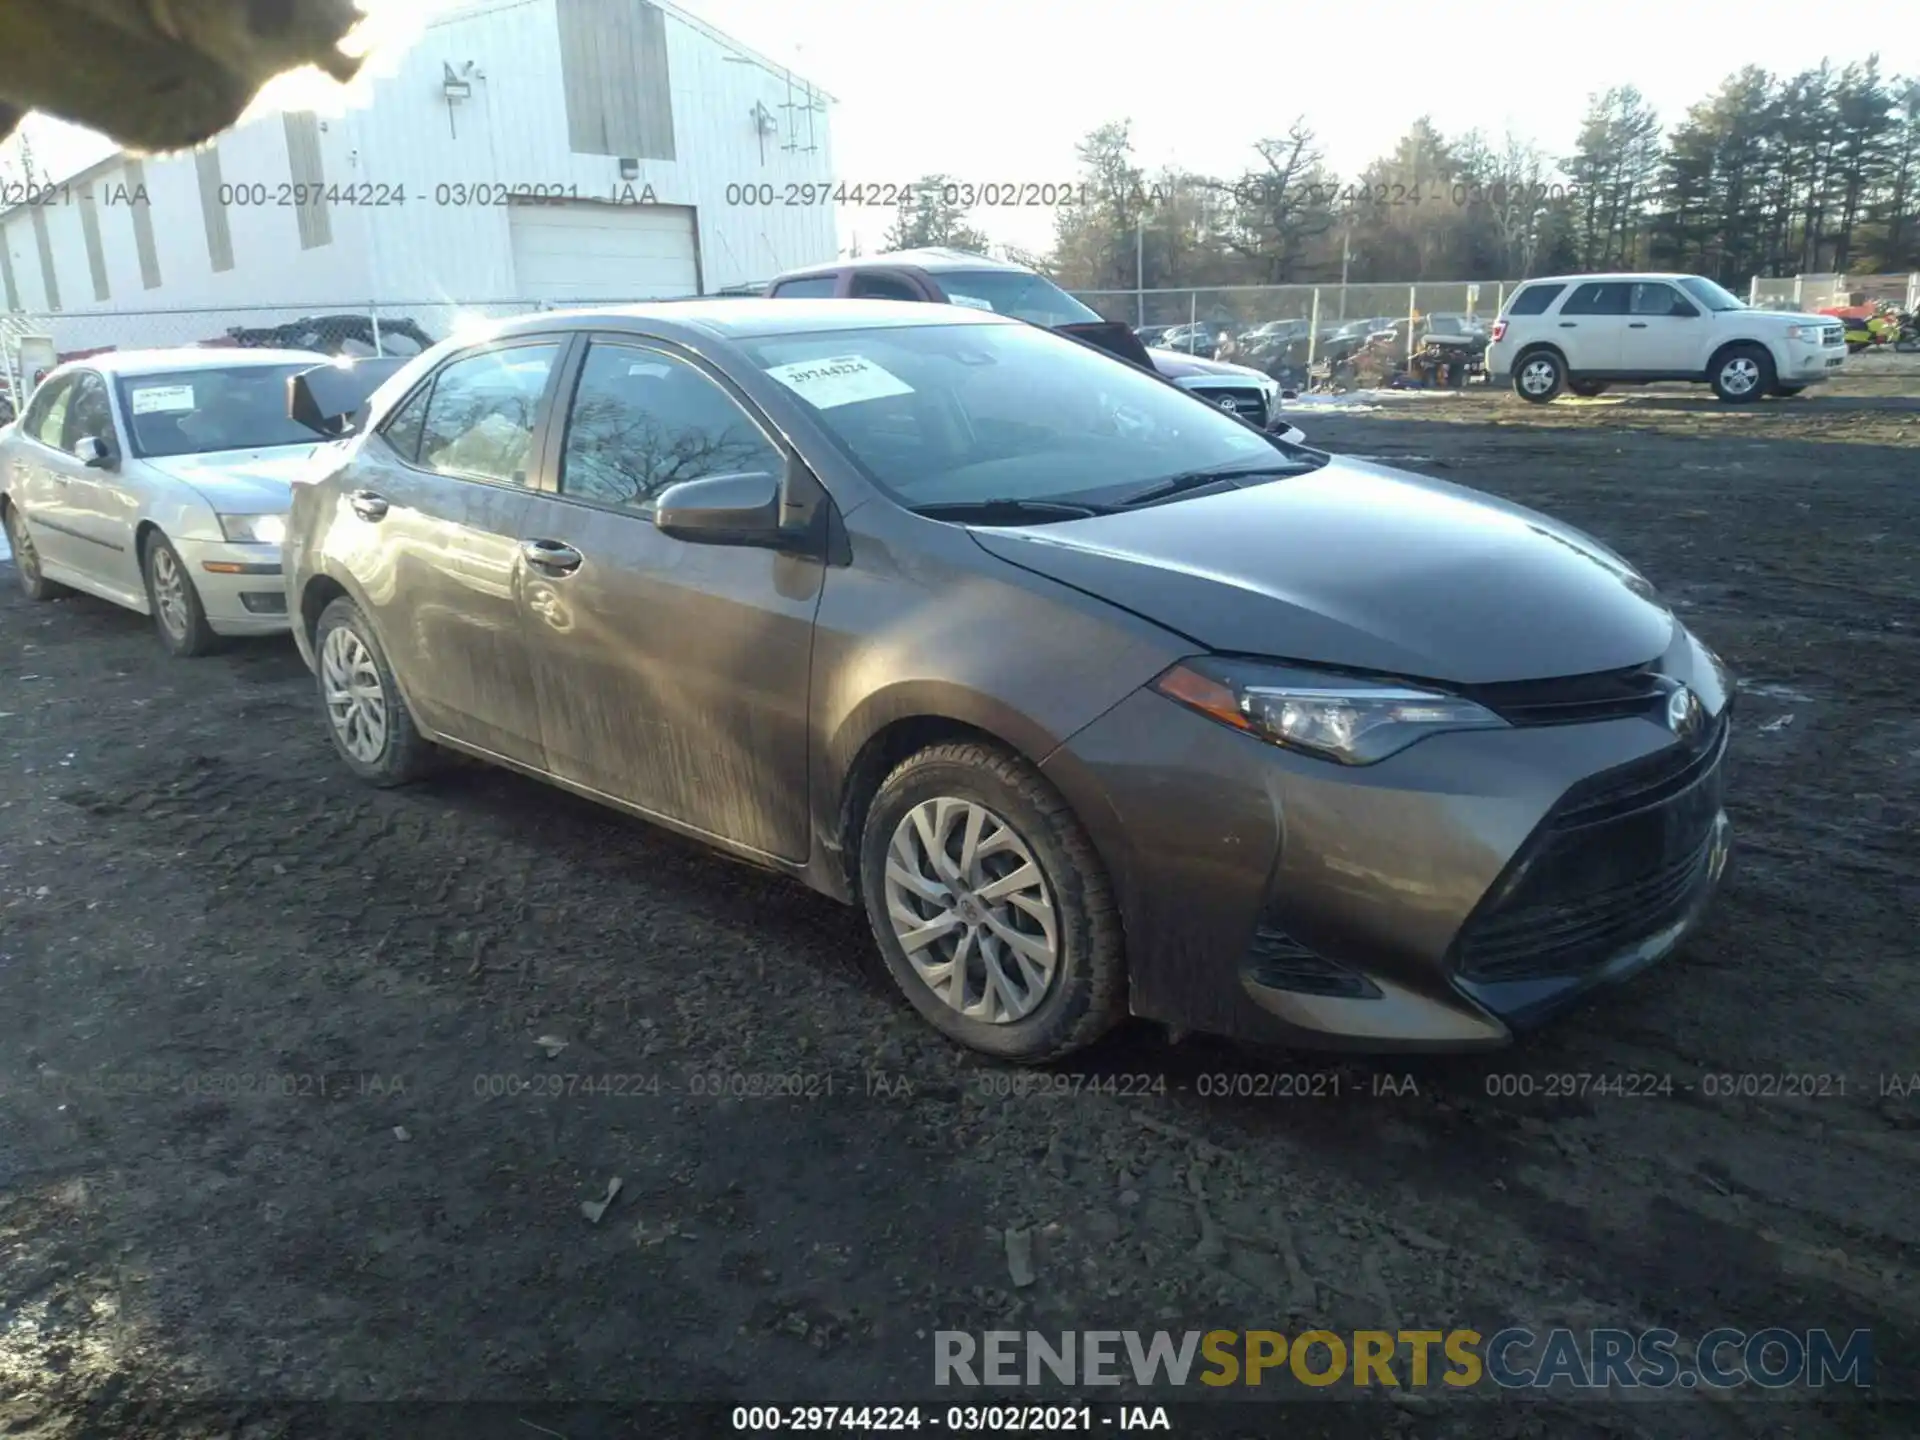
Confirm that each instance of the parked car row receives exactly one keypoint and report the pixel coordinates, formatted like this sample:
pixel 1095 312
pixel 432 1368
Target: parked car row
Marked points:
pixel 1097 699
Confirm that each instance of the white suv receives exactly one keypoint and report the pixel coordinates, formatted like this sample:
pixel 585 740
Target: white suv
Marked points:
pixel 1585 332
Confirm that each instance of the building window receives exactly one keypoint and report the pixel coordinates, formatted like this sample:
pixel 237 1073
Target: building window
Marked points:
pixel 6 270
pixel 213 213
pixel 44 244
pixel 613 72
pixel 96 256
pixel 142 225
pixel 303 160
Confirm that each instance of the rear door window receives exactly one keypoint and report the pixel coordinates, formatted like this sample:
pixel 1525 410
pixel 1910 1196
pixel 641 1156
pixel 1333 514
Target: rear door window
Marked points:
pixel 813 287
pixel 1534 300
pixel 47 416
pixel 1598 297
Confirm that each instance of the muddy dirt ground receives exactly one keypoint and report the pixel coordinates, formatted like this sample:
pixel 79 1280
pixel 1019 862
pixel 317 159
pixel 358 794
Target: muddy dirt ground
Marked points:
pixel 283 1060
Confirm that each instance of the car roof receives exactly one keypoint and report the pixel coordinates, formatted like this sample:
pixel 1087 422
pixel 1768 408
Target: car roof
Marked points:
pixel 1608 275
pixel 209 357
pixel 934 259
pixel 740 319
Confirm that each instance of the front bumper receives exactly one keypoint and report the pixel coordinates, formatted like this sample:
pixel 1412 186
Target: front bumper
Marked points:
pixel 241 586
pixel 1465 889
pixel 1808 363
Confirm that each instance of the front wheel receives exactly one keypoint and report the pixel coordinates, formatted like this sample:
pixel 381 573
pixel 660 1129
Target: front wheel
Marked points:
pixel 367 720
pixel 990 905
pixel 26 559
pixel 1742 374
pixel 1539 376
pixel 178 616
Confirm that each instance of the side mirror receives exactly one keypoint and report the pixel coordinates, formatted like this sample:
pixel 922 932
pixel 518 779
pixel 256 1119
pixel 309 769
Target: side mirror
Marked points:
pixel 95 453
pixel 722 510
pixel 330 400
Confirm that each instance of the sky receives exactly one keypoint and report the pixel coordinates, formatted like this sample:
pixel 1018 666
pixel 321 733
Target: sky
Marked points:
pixel 1001 90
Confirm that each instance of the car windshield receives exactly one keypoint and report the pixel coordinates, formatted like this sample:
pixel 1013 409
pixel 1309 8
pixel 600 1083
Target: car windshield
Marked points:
pixel 1711 295
pixel 1019 293
pixel 965 414
pixel 196 412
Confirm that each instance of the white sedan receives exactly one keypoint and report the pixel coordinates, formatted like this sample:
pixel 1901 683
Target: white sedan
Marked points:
pixel 159 480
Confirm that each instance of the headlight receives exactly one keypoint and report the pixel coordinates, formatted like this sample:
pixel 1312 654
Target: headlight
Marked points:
pixel 254 529
pixel 1354 722
pixel 1803 332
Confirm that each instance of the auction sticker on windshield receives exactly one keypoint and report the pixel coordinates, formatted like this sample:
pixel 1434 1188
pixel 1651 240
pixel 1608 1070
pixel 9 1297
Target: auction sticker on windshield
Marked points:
pixel 972 302
pixel 839 380
pixel 159 398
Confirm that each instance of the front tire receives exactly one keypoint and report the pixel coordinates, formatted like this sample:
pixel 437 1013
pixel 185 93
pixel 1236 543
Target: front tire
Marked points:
pixel 366 718
pixel 178 617
pixel 26 559
pixel 1539 376
pixel 1742 374
pixel 990 906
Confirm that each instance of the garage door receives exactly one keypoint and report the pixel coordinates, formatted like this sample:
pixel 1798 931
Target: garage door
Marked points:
pixel 603 252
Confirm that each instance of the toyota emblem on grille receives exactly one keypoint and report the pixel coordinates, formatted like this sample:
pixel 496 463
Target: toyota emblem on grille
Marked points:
pixel 1683 711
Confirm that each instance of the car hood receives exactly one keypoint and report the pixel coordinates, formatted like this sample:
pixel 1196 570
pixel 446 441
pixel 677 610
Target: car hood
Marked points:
pixel 1783 317
pixel 1359 567
pixel 1178 365
pixel 239 481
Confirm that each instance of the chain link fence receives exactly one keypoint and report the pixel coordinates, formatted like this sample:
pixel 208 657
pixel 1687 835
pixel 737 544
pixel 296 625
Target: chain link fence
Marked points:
pixel 1297 332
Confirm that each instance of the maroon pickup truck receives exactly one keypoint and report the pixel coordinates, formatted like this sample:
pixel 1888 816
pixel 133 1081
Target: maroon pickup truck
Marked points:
pixel 954 277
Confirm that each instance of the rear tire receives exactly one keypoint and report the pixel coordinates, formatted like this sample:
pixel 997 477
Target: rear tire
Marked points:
pixel 26 559
pixel 178 617
pixel 1061 917
pixel 360 702
pixel 1539 376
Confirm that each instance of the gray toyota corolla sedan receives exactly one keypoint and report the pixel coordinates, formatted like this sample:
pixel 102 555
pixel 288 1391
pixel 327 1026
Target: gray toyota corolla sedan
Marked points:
pixel 1095 697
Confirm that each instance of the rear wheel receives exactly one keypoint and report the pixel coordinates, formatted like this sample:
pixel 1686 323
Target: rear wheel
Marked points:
pixel 1539 376
pixel 1742 374
pixel 991 908
pixel 1587 388
pixel 26 559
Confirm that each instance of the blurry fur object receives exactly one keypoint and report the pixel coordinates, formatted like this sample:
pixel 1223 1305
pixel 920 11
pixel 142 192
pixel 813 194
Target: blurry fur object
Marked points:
pixel 1377 362
pixel 158 75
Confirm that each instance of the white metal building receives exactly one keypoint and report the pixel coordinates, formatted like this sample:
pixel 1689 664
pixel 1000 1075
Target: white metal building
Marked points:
pixel 672 158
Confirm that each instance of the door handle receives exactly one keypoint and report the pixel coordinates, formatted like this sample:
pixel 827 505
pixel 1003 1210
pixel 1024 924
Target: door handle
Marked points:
pixel 1568 325
pixel 1637 325
pixel 551 557
pixel 368 506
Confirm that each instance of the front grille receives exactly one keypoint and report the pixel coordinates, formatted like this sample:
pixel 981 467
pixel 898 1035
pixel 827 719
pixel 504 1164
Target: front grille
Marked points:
pixel 1277 961
pixel 1565 937
pixel 1642 784
pixel 1249 402
pixel 1610 695
pixel 1616 861
pixel 1833 335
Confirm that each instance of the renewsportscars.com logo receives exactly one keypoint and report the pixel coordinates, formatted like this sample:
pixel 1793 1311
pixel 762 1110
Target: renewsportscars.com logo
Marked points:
pixel 1513 1359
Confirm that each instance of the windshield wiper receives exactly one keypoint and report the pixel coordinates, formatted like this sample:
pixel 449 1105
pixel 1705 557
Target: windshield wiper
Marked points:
pixel 1009 510
pixel 1200 479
